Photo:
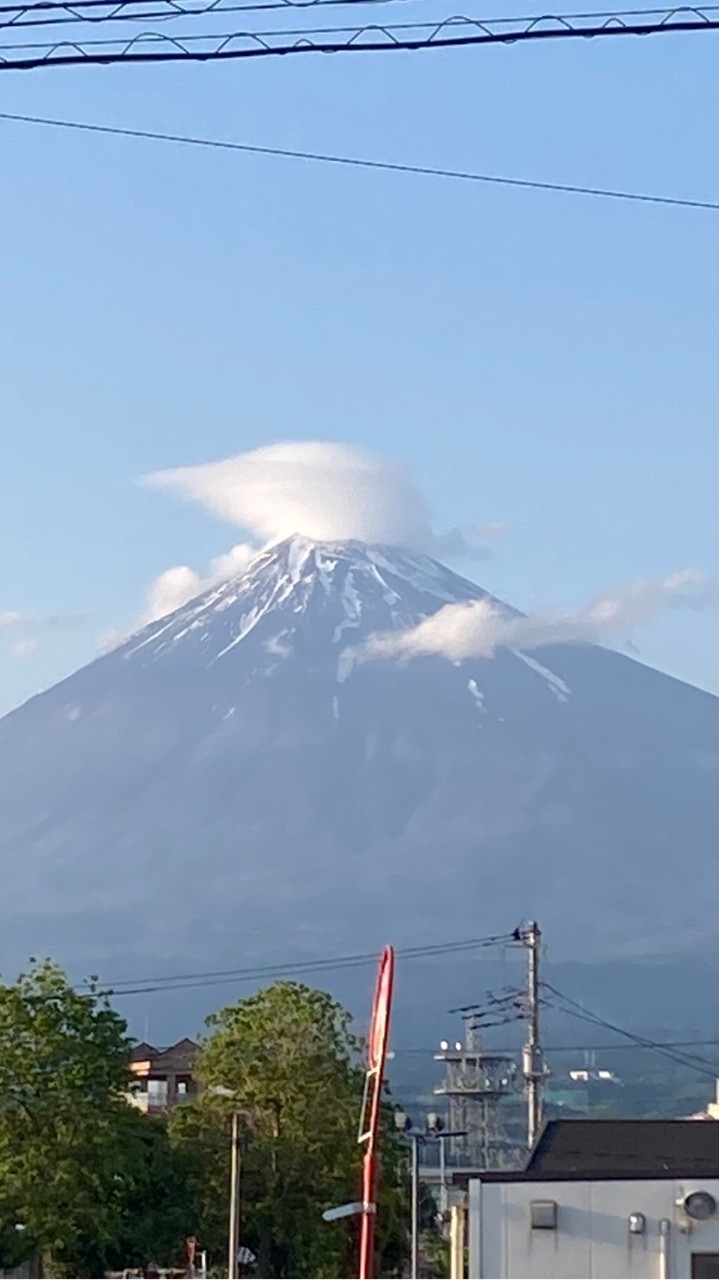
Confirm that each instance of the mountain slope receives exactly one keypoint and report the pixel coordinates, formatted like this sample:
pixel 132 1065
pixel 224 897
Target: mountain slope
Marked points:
pixel 232 782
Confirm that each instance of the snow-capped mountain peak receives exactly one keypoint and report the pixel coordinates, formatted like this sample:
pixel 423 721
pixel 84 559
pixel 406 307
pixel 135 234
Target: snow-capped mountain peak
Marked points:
pixel 228 779
pixel 343 591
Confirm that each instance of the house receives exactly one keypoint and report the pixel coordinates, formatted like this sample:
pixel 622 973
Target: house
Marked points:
pixel 600 1198
pixel 163 1077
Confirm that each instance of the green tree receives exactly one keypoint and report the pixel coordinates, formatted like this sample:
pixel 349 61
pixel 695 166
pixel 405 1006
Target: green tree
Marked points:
pixel 158 1206
pixel 64 1063
pixel 291 1063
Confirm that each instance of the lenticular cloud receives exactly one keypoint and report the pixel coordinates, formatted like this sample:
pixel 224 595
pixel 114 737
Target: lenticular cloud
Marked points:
pixel 323 490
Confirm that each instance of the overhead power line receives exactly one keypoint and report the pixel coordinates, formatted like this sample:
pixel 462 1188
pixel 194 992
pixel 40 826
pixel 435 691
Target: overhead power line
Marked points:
pixel 450 34
pixel 573 1008
pixel 606 1046
pixel 58 12
pixel 327 964
pixel 430 31
pixel 358 162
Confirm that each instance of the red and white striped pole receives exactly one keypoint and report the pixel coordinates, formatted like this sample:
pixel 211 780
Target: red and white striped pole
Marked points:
pixel 369 1124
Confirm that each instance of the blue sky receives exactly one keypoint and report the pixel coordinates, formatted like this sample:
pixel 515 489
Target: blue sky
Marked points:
pixel 544 360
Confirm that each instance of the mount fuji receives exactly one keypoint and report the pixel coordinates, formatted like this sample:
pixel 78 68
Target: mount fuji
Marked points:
pixel 233 780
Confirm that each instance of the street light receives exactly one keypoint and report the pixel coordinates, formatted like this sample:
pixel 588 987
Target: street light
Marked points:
pixel 233 1246
pixel 434 1129
pixel 435 1126
pixel 403 1125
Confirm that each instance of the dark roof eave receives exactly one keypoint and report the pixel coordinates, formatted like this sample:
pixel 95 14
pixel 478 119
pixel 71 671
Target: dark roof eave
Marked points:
pixel 462 1177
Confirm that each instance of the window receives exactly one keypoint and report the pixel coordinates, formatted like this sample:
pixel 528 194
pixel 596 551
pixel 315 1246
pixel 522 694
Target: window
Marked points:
pixel 705 1266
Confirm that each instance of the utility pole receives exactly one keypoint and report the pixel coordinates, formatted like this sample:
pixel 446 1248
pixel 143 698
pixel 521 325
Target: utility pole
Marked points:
pixel 234 1233
pixel 532 1055
pixel 415 1139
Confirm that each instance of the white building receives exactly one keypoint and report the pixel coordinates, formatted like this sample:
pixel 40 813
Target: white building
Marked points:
pixel 601 1198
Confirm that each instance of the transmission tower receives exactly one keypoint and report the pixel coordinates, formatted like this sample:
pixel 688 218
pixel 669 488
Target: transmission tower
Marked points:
pixel 476 1085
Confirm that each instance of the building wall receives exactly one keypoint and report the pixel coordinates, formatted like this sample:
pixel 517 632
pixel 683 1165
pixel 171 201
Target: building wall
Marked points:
pixel 592 1238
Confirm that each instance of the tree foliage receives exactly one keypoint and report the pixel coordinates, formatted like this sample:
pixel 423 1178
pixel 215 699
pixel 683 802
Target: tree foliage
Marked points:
pixel 158 1208
pixel 289 1059
pixel 63 1065
pixel 90 1181
pixel 95 1185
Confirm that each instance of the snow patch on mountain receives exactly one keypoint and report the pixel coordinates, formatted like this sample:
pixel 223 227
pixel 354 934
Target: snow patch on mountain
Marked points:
pixel 343 593
pixel 237 761
pixel 355 586
pixel 558 687
pixel 477 695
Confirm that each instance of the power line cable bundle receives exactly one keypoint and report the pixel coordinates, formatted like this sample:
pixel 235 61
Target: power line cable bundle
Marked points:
pixel 54 13
pixel 329 964
pixel 454 32
pixel 156 46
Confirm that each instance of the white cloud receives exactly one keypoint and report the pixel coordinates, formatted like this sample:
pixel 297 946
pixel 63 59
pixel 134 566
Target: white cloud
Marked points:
pixel 15 619
pixel 491 529
pixel 171 590
pixel 176 586
pixel 326 491
pixel 323 490
pixel 231 562
pixel 26 624
pixel 111 638
pixel 25 648
pixel 477 629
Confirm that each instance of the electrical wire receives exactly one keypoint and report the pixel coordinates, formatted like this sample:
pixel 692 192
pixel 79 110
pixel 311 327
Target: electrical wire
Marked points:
pixel 604 1047
pixel 698 1063
pixel 357 162
pixel 693 1061
pixel 85 11
pixel 512 1001
pixel 366 40
pixel 288 33
pixel 193 981
pixel 370 39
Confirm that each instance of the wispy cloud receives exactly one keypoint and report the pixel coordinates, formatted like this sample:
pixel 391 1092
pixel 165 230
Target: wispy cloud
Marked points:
pixel 13 618
pixel 17 620
pixel 25 648
pixel 480 627
pixel 26 625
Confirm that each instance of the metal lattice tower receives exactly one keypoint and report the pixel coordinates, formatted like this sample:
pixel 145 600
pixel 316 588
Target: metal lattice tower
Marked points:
pixel 476 1085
